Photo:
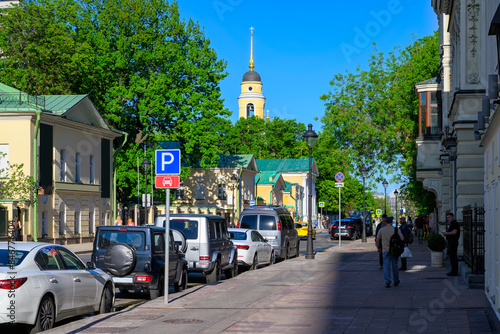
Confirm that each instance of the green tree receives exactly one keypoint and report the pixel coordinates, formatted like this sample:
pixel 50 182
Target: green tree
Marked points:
pixel 18 186
pixel 371 115
pixel 149 73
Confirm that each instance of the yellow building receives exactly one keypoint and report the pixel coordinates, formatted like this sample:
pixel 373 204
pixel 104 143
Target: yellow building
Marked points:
pixel 66 147
pixel 251 100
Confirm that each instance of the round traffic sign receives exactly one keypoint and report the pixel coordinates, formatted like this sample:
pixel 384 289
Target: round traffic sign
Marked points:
pixel 339 177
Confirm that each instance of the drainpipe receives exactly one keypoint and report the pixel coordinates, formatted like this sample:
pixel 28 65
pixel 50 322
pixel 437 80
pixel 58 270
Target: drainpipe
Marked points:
pixel 115 154
pixel 35 176
pixel 291 191
pixel 256 188
pixel 239 191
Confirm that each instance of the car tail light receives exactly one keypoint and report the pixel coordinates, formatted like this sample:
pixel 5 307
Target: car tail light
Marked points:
pixel 279 226
pixel 123 229
pixel 334 226
pixel 238 224
pixel 243 247
pixel 350 226
pixel 204 258
pixel 14 283
pixel 143 279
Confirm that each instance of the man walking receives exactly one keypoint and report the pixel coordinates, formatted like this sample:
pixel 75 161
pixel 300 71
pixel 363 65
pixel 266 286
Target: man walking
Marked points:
pixel 452 236
pixel 419 225
pixel 405 230
pixel 377 229
pixel 383 245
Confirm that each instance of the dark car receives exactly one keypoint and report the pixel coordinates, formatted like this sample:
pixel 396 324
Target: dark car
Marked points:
pixel 134 256
pixel 348 229
pixel 359 223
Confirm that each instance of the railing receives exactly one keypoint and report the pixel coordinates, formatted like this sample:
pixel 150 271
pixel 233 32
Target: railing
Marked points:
pixel 21 98
pixel 473 238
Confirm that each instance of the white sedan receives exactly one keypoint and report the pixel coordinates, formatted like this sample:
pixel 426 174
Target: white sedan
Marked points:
pixel 42 283
pixel 253 249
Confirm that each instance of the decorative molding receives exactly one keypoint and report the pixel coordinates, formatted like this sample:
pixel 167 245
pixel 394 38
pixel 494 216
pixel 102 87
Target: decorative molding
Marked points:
pixel 435 186
pixel 473 78
pixel 473 17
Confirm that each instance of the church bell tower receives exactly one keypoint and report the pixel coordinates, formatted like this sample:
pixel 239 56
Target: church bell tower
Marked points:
pixel 251 100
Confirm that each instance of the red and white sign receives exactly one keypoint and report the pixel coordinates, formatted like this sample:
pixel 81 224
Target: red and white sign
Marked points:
pixel 163 181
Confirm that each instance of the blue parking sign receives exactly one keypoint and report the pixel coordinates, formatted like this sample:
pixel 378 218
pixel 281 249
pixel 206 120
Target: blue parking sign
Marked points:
pixel 168 162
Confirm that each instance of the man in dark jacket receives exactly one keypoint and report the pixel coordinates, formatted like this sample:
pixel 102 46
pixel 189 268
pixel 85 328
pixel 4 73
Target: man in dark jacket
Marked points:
pixel 379 226
pixel 419 225
pixel 405 230
pixel 452 236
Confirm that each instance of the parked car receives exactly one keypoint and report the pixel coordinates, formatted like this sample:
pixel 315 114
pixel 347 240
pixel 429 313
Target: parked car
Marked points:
pixel 359 223
pixel 209 249
pixel 253 249
pixel 134 256
pixel 276 225
pixel 41 284
pixel 348 229
pixel 303 230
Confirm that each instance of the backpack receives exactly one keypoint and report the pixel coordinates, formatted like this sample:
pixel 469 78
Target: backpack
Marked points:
pixel 396 245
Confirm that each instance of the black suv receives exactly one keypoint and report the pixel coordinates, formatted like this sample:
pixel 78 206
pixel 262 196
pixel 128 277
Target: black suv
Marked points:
pixel 348 229
pixel 134 256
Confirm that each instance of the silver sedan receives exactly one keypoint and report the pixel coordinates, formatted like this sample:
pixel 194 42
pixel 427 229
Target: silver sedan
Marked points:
pixel 253 249
pixel 42 283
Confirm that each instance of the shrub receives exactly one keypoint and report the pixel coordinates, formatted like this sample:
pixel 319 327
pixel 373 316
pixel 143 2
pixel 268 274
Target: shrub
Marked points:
pixel 436 243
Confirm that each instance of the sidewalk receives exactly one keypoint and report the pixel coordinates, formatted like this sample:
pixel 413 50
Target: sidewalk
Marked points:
pixel 340 291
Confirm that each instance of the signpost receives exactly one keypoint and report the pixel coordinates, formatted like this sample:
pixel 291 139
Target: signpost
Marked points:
pixel 168 168
pixel 339 177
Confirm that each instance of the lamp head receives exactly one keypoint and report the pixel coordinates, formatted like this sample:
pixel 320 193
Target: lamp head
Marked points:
pixel 396 192
pixel 310 136
pixel 146 163
pixel 363 170
pixel 385 183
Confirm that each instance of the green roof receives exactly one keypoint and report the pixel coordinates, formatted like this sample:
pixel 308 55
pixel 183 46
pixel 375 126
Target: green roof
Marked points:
pixel 284 165
pixel 266 176
pixel 236 160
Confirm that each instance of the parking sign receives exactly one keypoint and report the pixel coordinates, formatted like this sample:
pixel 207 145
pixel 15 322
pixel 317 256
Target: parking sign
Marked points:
pixel 168 162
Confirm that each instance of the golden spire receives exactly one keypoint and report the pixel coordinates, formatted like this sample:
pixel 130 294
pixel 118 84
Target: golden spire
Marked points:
pixel 251 50
pixel 267 118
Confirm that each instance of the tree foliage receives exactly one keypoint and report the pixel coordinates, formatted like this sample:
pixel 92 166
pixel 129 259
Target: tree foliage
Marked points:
pixel 371 115
pixel 18 186
pixel 149 72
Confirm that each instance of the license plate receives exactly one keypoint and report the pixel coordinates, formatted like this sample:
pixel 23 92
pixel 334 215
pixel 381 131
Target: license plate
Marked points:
pixel 123 279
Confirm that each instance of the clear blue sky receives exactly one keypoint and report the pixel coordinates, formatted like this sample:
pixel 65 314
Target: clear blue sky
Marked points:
pixel 299 46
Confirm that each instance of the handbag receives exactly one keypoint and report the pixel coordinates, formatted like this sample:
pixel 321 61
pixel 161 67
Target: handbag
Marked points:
pixel 406 253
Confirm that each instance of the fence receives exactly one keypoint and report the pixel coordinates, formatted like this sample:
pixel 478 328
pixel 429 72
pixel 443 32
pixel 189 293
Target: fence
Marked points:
pixel 473 238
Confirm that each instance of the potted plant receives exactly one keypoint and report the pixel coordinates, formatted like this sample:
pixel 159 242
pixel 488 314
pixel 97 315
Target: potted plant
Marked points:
pixel 436 244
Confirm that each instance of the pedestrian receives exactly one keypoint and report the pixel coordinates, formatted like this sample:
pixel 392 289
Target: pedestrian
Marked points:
pixel 452 236
pixel 17 226
pixel 379 226
pixel 130 222
pixel 405 230
pixel 409 222
pixel 119 220
pixel 419 225
pixel 383 245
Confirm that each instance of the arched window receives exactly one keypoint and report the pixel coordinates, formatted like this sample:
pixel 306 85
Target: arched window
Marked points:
pixel 250 110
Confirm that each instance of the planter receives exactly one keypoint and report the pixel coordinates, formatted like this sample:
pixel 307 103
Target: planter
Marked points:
pixel 437 259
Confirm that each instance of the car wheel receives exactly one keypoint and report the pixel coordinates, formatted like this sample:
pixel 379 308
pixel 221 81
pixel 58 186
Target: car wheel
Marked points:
pixel 255 263
pixel 233 271
pixel 45 317
pixel 155 293
pixel 182 284
pixel 287 251
pixel 120 259
pixel 106 300
pixel 272 259
pixel 215 274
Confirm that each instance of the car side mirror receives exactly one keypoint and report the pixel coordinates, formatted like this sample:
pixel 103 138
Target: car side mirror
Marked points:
pixel 90 265
pixel 177 247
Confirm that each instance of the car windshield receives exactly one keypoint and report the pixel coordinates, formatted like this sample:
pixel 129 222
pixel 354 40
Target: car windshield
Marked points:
pixel 11 257
pixel 188 227
pixel 132 238
pixel 239 236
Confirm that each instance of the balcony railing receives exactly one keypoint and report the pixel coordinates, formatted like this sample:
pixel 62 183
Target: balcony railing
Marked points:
pixel 21 98
pixel 473 238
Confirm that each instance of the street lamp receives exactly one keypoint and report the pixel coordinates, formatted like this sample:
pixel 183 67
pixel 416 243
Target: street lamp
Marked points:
pixel 364 171
pixel 310 137
pixel 145 165
pixel 396 194
pixel 385 184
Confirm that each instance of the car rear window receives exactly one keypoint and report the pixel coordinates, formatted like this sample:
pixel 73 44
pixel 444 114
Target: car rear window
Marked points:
pixel 267 223
pixel 132 238
pixel 188 227
pixel 239 236
pixel 14 258
pixel 249 221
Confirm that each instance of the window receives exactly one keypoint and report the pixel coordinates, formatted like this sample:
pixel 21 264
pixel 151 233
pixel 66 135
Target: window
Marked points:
pixel 212 230
pixel 49 259
pixel 45 230
pixel 221 191
pixel 103 219
pixel 4 160
pixel 250 110
pixel 249 221
pixel 200 191
pixel 77 222
pixel 78 160
pixel 179 193
pixel 62 222
pixel 267 223
pixel 71 261
pixel 92 170
pixel 428 114
pixel 62 175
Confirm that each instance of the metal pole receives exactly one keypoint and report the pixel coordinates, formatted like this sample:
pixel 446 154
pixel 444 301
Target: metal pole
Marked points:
pixel 385 200
pixel 167 247
pixel 364 213
pixel 340 224
pixel 309 253
pixel 396 208
pixel 145 196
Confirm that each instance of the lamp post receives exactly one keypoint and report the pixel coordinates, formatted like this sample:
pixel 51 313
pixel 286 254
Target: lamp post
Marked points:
pixel 396 194
pixel 310 137
pixel 385 184
pixel 145 165
pixel 364 171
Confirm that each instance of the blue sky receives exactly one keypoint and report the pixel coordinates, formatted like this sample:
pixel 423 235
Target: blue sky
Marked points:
pixel 299 47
